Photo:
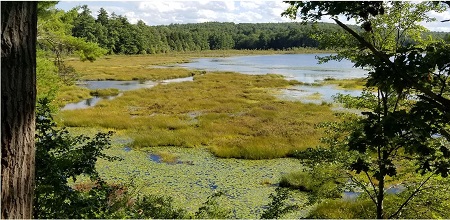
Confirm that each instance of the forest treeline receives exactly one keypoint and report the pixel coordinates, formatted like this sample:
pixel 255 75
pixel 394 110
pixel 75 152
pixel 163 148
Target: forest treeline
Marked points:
pixel 117 35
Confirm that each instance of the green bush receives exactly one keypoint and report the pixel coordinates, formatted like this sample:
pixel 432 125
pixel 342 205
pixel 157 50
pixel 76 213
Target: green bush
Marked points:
pixel 60 157
pixel 211 209
pixel 278 207
pixel 298 180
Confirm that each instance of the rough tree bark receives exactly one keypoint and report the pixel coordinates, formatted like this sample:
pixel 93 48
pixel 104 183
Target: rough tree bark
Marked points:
pixel 18 80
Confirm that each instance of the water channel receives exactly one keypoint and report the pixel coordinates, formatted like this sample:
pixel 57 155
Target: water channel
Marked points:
pixel 120 85
pixel 300 67
pixel 196 173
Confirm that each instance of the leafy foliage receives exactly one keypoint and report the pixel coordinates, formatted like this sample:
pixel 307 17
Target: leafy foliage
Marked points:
pixel 211 208
pixel 408 115
pixel 278 206
pixel 60 157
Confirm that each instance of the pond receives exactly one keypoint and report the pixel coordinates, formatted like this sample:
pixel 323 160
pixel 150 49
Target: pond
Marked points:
pixel 307 93
pixel 197 174
pixel 300 67
pixel 120 85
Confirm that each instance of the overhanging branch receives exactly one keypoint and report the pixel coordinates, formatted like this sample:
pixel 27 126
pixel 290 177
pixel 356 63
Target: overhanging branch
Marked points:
pixel 443 103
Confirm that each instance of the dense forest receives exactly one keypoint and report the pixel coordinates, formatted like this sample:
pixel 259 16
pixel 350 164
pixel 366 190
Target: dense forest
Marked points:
pixel 116 34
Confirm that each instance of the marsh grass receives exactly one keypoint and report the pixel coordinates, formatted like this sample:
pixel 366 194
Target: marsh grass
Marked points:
pixel 105 92
pixel 314 96
pixel 348 84
pixel 167 157
pixel 342 209
pixel 156 66
pixel 298 180
pixel 71 94
pixel 235 115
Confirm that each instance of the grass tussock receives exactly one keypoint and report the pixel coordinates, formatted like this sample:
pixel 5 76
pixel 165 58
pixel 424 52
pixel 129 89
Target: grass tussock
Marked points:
pixel 71 94
pixel 298 180
pixel 343 209
pixel 167 157
pixel 314 96
pixel 104 92
pixel 234 114
pixel 348 84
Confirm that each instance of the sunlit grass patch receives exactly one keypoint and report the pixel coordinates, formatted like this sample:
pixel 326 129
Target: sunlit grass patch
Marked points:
pixel 298 180
pixel 71 94
pixel 348 84
pixel 314 96
pixel 158 137
pixel 342 209
pixel 104 92
pixel 167 157
pixel 235 114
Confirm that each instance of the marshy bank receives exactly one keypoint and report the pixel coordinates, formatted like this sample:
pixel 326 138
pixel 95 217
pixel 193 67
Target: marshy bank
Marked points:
pixel 188 139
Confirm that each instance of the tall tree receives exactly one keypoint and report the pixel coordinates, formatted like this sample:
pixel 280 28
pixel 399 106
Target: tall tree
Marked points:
pixel 84 25
pixel 19 30
pixel 102 17
pixel 409 116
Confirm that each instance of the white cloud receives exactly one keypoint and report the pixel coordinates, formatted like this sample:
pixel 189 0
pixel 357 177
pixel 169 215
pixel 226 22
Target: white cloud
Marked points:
pixel 438 25
pixel 161 7
pixel 132 17
pixel 162 12
pixel 206 14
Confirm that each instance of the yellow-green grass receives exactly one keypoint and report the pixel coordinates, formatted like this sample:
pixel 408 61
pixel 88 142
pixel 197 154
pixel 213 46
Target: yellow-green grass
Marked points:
pixel 314 96
pixel 344 209
pixel 347 84
pixel 71 94
pixel 167 157
pixel 152 67
pixel 105 92
pixel 233 114
pixel 95 71
pixel 298 180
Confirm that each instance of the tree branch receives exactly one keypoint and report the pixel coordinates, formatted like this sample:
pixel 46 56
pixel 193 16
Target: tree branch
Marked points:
pixel 371 182
pixel 443 103
pixel 364 188
pixel 410 197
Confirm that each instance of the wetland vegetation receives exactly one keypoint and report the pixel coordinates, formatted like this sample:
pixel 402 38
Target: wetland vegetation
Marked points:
pixel 195 142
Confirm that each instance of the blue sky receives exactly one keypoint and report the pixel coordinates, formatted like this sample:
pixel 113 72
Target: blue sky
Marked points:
pixel 158 12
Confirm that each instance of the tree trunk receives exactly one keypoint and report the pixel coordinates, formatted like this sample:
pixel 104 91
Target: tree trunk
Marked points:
pixel 18 79
pixel 380 198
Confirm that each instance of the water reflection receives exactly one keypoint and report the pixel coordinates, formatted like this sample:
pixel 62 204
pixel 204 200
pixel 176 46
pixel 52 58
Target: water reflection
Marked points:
pixel 304 93
pixel 88 102
pixel 301 67
pixel 120 85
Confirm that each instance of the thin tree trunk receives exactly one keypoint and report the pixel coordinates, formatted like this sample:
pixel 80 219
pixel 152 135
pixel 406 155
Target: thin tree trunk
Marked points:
pixel 18 80
pixel 380 198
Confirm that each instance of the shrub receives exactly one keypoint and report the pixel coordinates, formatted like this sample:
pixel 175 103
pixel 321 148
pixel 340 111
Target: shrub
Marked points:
pixel 278 206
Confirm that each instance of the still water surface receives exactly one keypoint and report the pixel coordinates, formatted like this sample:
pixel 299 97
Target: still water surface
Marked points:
pixel 120 85
pixel 301 67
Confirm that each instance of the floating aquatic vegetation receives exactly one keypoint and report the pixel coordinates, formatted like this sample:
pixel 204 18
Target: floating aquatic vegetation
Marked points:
pixel 198 174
